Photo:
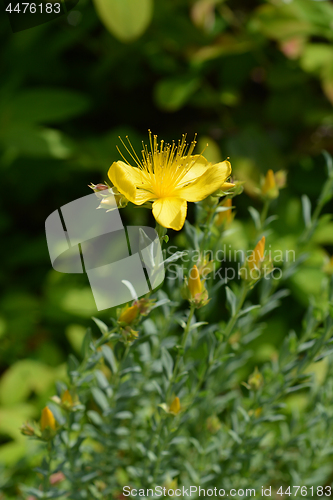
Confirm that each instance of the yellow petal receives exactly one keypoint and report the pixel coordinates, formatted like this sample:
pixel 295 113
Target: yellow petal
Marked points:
pixel 197 165
pixel 209 182
pixel 170 212
pixel 126 179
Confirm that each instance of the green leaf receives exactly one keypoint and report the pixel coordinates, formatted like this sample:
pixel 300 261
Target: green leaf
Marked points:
pixel 46 105
pixel 87 341
pixel 100 398
pixel 172 93
pixel 122 415
pixel 95 417
pixel 75 334
pixel 34 141
pixel 167 362
pixel 316 56
pixel 231 300
pixel 255 217
pixel 101 325
pixel 109 358
pixel 125 19
pixel 306 205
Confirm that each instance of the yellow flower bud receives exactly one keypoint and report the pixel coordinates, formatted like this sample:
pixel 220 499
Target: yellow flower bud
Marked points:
pixel 269 182
pixel 47 420
pixel 129 314
pixel 67 398
pixel 269 188
pixel 194 282
pixel 175 406
pixel 257 255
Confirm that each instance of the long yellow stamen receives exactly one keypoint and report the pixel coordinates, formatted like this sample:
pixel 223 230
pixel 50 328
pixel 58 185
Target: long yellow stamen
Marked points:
pixel 164 165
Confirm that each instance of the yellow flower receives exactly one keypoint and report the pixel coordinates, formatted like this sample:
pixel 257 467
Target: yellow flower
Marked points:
pixel 257 255
pixel 129 314
pixel 175 406
pixel 47 420
pixel 194 282
pixel 169 176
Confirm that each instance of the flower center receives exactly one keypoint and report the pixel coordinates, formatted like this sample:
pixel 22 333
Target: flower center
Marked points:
pixel 163 167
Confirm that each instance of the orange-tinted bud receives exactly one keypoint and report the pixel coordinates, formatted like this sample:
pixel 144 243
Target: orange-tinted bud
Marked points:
pixel 257 255
pixel 129 314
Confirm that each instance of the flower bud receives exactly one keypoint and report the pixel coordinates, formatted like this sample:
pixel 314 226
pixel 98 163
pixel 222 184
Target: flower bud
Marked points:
pixel 257 256
pixel 98 187
pixel 129 335
pixel 129 314
pixel 272 183
pixel 174 408
pixel 66 399
pixel 110 197
pixel 47 420
pixel 194 282
pixel 144 305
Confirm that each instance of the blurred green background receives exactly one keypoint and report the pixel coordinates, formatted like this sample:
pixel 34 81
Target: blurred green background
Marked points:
pixel 252 78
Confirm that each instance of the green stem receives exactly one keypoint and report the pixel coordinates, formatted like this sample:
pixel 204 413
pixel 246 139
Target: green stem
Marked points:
pixel 46 481
pixel 161 231
pixel 264 212
pixel 232 321
pixel 325 196
pixel 180 352
pixel 159 429
pixel 208 225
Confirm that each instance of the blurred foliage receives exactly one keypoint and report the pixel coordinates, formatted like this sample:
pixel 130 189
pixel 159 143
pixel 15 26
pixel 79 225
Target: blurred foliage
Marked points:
pixel 252 78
